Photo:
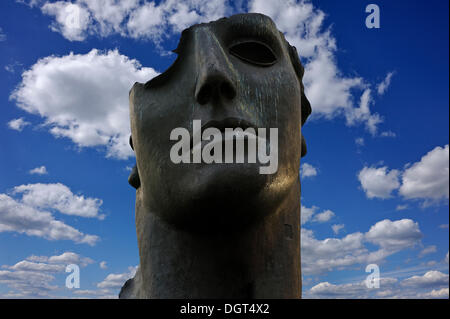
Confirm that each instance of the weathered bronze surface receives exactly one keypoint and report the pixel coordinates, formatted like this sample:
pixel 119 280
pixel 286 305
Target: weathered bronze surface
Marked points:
pixel 219 230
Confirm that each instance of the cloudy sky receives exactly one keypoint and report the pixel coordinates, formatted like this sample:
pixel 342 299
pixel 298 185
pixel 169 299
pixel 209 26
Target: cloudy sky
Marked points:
pixel 375 181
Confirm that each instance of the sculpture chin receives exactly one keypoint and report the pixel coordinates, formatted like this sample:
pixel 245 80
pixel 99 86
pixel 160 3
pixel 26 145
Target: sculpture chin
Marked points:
pixel 223 197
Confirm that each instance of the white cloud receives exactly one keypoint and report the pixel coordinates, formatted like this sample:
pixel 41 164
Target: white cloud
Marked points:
pixel 26 265
pixel 307 213
pixel 109 287
pixel 324 255
pixel 394 235
pixel 356 290
pixel 437 294
pixel 9 68
pixel 32 277
pixel 428 178
pixel 378 182
pixel 430 279
pixel 65 258
pixel 16 216
pixel 323 216
pixel 431 263
pixel 184 17
pixel 103 265
pixel 59 197
pixel 362 114
pixel 71 19
pixel 78 100
pixel 310 214
pixel 28 283
pixel 42 170
pixel 307 170
pixel 108 15
pixel 320 256
pixel 99 294
pixel 337 228
pixel 131 18
pixel 195 11
pixel 388 134
pixel 322 75
pixel 18 124
pixel 428 250
pixel 384 85
pixel 31 3
pixel 414 287
pixel 359 141
pixel 116 281
pixel 12 67
pixel 146 22
pixel 446 258
pixel 401 207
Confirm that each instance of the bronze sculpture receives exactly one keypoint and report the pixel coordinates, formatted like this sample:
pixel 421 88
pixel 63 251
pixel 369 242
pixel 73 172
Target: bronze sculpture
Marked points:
pixel 220 230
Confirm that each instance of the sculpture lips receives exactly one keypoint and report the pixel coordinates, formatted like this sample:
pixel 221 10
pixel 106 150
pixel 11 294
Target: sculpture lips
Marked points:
pixel 221 125
pixel 230 122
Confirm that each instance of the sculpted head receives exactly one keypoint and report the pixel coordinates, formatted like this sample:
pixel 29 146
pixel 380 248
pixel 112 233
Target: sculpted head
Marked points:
pixel 234 72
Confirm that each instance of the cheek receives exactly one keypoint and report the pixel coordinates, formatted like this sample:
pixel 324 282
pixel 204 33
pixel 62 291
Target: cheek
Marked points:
pixel 271 93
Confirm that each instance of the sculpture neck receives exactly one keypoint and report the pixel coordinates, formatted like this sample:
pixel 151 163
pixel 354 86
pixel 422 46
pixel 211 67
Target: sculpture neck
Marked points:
pixel 262 261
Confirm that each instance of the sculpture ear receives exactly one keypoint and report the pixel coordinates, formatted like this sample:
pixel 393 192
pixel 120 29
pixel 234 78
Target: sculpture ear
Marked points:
pixel 131 142
pixel 304 149
pixel 305 105
pixel 134 179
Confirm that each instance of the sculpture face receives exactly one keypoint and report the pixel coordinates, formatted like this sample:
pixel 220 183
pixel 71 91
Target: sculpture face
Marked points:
pixel 232 71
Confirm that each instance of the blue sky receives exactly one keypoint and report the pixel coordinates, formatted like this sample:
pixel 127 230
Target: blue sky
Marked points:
pixel 375 186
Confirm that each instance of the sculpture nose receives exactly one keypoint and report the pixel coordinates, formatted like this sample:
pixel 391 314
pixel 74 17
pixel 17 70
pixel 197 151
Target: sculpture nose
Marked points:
pixel 216 77
pixel 213 88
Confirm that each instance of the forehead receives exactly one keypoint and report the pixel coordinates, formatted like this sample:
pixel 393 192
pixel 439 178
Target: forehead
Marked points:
pixel 249 25
pixel 255 21
pixel 225 31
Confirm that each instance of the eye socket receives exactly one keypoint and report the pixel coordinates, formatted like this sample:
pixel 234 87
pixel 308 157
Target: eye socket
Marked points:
pixel 254 52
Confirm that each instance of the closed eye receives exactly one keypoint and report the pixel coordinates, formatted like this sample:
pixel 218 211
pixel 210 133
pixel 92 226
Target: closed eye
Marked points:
pixel 254 52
